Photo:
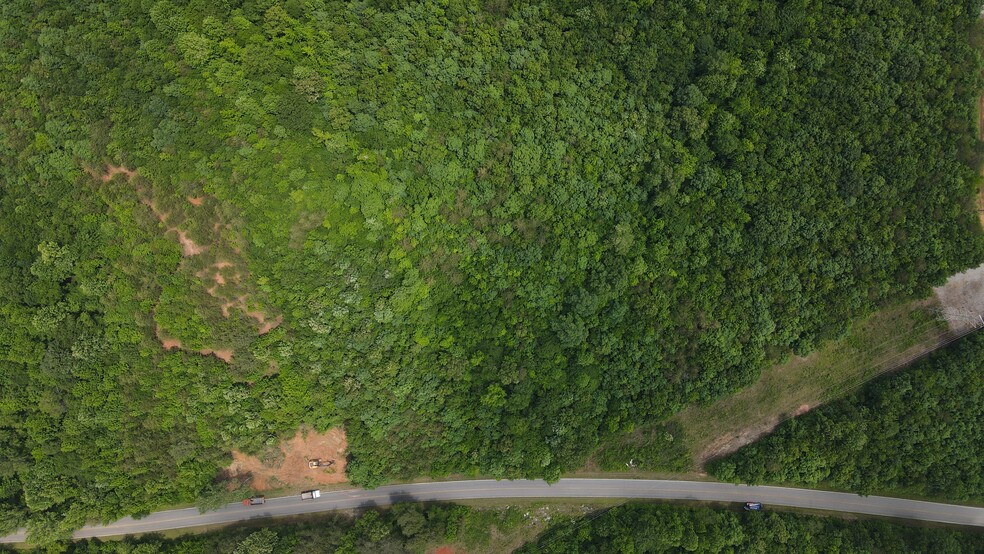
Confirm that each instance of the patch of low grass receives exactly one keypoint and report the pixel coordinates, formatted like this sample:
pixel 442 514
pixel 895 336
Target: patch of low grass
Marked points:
pixel 494 528
pixel 653 448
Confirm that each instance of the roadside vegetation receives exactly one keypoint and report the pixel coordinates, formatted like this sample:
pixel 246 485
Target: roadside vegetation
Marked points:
pixel 659 528
pixel 546 529
pixel 481 237
pixel 918 432
pixel 410 527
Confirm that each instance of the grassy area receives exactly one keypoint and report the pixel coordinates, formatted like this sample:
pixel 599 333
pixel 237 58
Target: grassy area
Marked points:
pixel 496 528
pixel 884 341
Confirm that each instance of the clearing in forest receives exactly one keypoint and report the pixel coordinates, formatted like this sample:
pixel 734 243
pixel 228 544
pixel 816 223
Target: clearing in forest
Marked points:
pixel 287 466
pixel 886 340
pixel 168 343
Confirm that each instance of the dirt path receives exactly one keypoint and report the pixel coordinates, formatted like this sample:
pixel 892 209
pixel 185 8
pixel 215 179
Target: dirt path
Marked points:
pixel 170 343
pixel 114 170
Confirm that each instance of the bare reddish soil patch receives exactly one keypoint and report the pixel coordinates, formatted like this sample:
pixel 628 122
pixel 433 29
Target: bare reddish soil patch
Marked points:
pixel 114 170
pixel 188 246
pixel 224 355
pixel 170 343
pixel 802 409
pixel 267 326
pixel 293 470
pixel 196 200
pixel 731 442
pixel 444 550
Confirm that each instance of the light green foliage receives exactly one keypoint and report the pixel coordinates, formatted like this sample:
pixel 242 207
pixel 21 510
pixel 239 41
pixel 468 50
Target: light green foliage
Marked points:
pixel 497 232
pixel 260 542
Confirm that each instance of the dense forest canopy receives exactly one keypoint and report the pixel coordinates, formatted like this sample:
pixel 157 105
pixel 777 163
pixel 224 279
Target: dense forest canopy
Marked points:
pixel 490 233
pixel 641 528
pixel 919 432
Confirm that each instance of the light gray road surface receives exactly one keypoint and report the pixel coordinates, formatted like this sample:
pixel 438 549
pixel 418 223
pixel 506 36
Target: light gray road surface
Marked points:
pixel 566 488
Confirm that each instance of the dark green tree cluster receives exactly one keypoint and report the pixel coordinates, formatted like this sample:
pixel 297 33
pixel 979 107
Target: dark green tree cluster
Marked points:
pixel 633 528
pixel 919 432
pixel 404 528
pixel 497 232
pixel 643 528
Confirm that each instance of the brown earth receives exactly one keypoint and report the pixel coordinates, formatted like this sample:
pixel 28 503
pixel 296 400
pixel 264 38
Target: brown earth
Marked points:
pixel 293 470
pixel 114 170
pixel 196 200
pixel 170 343
pixel 726 444
pixel 224 355
pixel 268 326
pixel 188 246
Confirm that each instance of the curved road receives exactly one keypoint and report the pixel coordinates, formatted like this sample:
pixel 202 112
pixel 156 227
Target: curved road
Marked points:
pixel 565 488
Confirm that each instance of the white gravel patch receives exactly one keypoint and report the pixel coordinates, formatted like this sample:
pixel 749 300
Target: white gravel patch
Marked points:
pixel 962 298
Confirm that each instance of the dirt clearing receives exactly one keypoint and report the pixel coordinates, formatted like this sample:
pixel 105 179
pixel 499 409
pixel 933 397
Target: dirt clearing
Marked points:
pixel 289 467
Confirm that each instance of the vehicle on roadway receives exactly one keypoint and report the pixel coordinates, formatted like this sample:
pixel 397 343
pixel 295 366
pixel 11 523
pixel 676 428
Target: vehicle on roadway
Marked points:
pixel 753 506
pixel 255 501
pixel 311 495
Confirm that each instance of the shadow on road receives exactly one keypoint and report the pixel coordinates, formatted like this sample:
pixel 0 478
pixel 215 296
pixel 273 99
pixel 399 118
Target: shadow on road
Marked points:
pixel 398 497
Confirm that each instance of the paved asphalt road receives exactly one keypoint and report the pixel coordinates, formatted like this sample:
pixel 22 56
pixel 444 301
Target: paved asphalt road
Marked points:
pixel 566 488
